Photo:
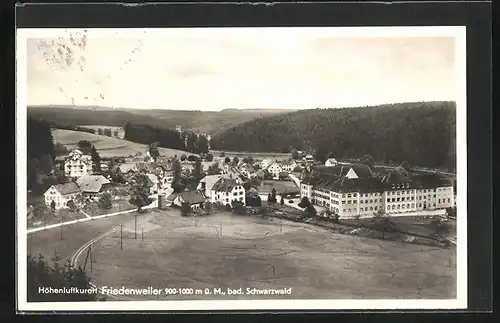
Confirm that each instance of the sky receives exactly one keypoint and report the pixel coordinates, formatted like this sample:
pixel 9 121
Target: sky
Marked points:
pixel 268 70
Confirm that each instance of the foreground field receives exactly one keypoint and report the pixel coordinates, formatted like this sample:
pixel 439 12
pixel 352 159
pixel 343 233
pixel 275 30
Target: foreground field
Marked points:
pixel 107 146
pixel 226 251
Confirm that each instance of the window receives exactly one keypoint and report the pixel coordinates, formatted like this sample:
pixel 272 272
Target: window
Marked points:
pixel 371 208
pixel 343 202
pixel 434 195
pixel 354 195
pixel 399 206
pixel 241 199
pixel 403 206
pixel 399 193
pixel 449 200
pixel 343 195
pixel 439 200
pixel 348 195
pixel 413 205
pixel 343 210
pixel 375 208
pixel 371 201
pixel 398 199
pixel 349 202
pixel 354 202
pixel 361 202
pixel 419 204
pixel 402 199
pixel 393 199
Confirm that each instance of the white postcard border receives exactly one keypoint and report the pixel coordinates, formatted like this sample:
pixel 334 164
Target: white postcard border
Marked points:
pixel 460 302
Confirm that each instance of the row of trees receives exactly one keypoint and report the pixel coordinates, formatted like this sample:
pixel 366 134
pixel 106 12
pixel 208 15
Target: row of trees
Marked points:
pixel 87 148
pixel 40 153
pixel 107 132
pixel 389 133
pixel 167 138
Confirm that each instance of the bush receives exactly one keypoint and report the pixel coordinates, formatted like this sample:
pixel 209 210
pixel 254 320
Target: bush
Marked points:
pixel 105 201
pixel 210 157
pixel 192 158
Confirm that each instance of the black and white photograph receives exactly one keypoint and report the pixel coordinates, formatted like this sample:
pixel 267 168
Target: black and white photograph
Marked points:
pixel 242 168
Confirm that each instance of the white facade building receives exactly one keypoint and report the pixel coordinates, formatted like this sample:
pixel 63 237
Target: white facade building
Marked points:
pixel 227 190
pixel 77 164
pixel 61 194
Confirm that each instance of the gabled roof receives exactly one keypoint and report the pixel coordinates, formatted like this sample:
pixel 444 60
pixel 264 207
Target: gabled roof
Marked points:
pixel 67 188
pixel 210 181
pixel 225 185
pixel 92 183
pixel 193 197
pixel 127 167
pixel 289 162
pixel 331 161
pixel 363 171
pixel 152 178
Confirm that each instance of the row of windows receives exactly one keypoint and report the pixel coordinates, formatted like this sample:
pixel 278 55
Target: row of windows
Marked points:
pixel 237 193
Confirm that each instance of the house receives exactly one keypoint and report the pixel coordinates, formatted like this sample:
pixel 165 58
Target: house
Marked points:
pixel 275 169
pixel 227 190
pixel 288 165
pixel 265 163
pixel 308 158
pixel 77 164
pixel 127 168
pixel 194 198
pixel 247 170
pixel 331 162
pixel 165 181
pixel 92 186
pixel 206 184
pixel 154 182
pixel 61 194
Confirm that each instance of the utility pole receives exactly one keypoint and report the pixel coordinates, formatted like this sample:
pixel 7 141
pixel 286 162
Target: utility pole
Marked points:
pixel 142 233
pixel 281 225
pixel 90 248
pixel 135 226
pixel 61 227
pixel 121 236
pixel 221 230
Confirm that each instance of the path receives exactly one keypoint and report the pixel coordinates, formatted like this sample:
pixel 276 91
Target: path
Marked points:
pixel 88 218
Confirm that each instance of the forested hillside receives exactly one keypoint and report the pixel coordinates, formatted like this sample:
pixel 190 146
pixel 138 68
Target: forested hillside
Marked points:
pixel 421 133
pixel 210 122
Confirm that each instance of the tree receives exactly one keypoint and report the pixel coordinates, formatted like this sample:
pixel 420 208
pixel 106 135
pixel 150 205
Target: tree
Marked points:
pixel 197 170
pixel 451 212
pixel 202 144
pixel 237 207
pixel 193 158
pixel 115 133
pixel 185 209
pixel 140 190
pixel 60 149
pixel 210 157
pixel 85 146
pixel 100 132
pixel 441 228
pixel 41 274
pixel 71 205
pixel 96 160
pixel 304 202
pixel 214 169
pixel 236 160
pixel 208 207
pixel 183 157
pixel 295 154
pixel 227 160
pixel 385 225
pixel 107 132
pixel 176 169
pixel 46 164
pixel 222 154
pixel 272 196
pixel 246 160
pixel 154 152
pixel 53 205
pixel 310 211
pixel 253 200
pixel 105 201
pixel 282 201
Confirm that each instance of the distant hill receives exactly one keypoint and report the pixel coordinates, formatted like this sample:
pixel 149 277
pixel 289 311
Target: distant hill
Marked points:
pixel 210 122
pixel 421 133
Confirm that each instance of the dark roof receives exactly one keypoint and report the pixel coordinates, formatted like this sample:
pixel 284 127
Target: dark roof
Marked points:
pixel 363 171
pixel 344 185
pixel 225 185
pixel 431 181
pixel 67 188
pixel 194 197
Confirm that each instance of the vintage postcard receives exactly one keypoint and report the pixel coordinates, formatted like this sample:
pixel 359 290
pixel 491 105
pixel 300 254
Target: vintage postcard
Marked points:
pixel 241 169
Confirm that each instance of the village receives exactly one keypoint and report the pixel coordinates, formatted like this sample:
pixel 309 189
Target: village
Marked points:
pixel 204 184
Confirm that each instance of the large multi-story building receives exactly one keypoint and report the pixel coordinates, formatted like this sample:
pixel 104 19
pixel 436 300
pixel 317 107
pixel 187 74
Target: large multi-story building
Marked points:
pixel 353 190
pixel 61 194
pixel 227 190
pixel 77 164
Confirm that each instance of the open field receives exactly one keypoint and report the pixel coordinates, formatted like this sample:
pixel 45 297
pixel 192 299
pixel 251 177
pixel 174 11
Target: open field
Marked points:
pixel 107 146
pixel 255 155
pixel 280 186
pixel 229 251
pixel 93 209
pixel 121 132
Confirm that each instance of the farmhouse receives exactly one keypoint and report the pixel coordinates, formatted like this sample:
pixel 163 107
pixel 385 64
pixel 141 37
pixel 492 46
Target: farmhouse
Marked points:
pixel 206 184
pixel 247 170
pixel 288 165
pixel 264 164
pixel 127 168
pixel 308 158
pixel 61 194
pixel 77 164
pixel 195 199
pixel 352 190
pixel 275 169
pixel 226 190
pixel 92 186
pixel 331 162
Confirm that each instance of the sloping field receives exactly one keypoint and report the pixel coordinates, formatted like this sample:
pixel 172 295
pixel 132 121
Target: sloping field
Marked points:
pixel 226 251
pixel 107 146
pixel 121 133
